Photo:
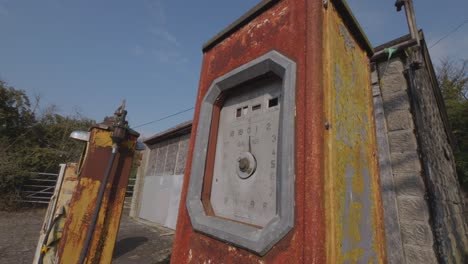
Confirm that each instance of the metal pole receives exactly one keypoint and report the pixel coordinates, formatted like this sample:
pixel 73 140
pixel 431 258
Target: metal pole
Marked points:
pixel 410 17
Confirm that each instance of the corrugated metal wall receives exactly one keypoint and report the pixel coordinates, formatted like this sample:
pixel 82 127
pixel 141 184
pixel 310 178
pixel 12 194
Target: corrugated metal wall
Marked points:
pixel 162 181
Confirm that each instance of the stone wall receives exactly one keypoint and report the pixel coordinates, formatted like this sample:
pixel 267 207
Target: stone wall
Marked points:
pixel 465 213
pixel 421 195
pixel 438 163
pixel 405 207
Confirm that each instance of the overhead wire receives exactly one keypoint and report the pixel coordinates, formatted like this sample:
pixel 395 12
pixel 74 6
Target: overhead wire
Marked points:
pixel 164 117
pixel 140 125
pixel 450 33
pixel 189 109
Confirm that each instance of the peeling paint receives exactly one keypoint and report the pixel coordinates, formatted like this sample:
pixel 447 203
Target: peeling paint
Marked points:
pixel 354 230
pixel 102 139
pixel 347 39
pixel 294 28
pixel 84 198
pixel 258 32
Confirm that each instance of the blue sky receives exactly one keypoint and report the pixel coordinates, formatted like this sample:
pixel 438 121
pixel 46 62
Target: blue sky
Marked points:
pixel 89 55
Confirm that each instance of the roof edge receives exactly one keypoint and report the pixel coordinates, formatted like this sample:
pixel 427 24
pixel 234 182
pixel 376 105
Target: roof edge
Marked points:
pixel 178 130
pixel 340 5
pixel 349 18
pixel 400 44
pixel 240 22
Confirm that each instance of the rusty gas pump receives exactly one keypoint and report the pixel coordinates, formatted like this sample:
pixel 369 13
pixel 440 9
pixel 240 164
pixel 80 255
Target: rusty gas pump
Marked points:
pixel 282 167
pixel 95 208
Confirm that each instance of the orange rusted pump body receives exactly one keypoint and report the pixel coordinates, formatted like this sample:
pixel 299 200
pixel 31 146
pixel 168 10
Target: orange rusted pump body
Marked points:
pixel 337 209
pixel 91 172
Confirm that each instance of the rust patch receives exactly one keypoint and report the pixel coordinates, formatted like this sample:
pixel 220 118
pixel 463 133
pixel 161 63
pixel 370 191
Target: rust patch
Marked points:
pixel 354 210
pixel 281 28
pixel 262 30
pixel 84 200
pixel 206 192
pixel 305 32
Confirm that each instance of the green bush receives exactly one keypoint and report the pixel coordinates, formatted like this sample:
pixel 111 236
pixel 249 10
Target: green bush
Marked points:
pixel 31 143
pixel 11 179
pixel 453 82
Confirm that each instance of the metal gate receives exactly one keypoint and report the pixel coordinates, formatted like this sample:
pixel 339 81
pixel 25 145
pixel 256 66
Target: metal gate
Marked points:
pixel 39 188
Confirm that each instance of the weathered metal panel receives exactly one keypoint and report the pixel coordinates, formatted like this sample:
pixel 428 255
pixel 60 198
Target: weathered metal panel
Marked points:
pixel 84 198
pixel 182 155
pixel 393 237
pixel 50 214
pixel 159 195
pixel 160 199
pixel 353 202
pixel 171 158
pixel 252 199
pixel 161 159
pixel 65 192
pixel 68 186
pixel 139 183
pixel 246 236
pixel 152 158
pixel 281 28
pixel 295 29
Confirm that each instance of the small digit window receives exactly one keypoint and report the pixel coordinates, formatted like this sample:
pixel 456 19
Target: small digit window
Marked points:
pixel 242 111
pixel 273 102
pixel 256 107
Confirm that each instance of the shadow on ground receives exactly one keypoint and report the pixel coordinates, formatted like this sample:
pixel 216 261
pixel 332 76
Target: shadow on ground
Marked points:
pixel 136 242
pixel 127 245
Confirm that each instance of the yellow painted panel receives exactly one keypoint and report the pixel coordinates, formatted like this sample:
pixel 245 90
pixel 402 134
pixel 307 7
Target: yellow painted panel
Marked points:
pixel 85 197
pixel 82 211
pixel 101 138
pixel 353 203
pixel 65 194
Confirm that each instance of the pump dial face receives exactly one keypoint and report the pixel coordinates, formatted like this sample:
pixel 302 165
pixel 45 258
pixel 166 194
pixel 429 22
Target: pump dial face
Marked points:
pixel 242 179
pixel 244 186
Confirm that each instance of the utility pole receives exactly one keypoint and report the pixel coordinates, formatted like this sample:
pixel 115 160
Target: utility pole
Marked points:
pixel 410 17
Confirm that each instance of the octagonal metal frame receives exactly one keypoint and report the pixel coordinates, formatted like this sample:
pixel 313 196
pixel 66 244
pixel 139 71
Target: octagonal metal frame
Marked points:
pixel 258 240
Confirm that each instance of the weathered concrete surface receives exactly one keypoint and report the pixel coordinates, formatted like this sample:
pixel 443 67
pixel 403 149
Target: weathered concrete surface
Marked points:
pixel 19 233
pixel 423 202
pixel 140 243
pixel 388 184
pixel 408 228
pixel 438 163
pixel 136 242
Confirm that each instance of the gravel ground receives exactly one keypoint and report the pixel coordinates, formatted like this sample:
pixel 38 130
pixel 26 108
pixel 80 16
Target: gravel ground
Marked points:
pixel 136 242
